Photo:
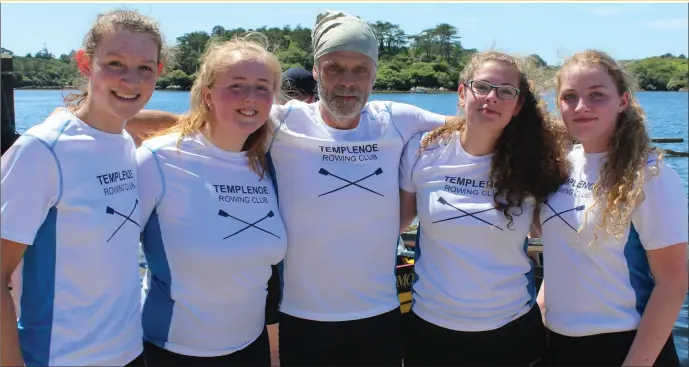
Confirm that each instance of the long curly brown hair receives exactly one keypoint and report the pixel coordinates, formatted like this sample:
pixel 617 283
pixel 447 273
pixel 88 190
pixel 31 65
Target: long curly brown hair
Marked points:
pixel 623 173
pixel 529 158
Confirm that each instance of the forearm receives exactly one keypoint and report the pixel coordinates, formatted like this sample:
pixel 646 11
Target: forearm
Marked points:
pixel 406 219
pixel 656 324
pixel 148 122
pixel 9 339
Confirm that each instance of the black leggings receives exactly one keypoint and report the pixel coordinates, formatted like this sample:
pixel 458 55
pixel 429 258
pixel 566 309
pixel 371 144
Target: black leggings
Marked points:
pixel 255 354
pixel 609 349
pixel 373 341
pixel 518 343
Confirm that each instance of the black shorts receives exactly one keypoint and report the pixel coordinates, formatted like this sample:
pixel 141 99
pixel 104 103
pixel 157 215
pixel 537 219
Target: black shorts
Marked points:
pixel 373 341
pixel 255 354
pixel 518 343
pixel 609 349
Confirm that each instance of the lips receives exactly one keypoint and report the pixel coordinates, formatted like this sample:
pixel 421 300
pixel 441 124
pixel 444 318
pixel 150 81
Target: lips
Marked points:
pixel 247 113
pixel 126 96
pixel 582 120
pixel 488 111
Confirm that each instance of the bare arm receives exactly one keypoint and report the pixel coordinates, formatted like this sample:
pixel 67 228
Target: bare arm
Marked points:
pixel 147 122
pixel 669 268
pixel 407 209
pixel 12 253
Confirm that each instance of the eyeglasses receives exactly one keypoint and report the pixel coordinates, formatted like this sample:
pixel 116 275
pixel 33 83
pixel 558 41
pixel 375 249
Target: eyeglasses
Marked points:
pixel 483 88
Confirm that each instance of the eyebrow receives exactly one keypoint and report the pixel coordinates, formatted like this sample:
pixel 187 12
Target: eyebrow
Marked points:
pixel 597 86
pixel 243 78
pixel 147 61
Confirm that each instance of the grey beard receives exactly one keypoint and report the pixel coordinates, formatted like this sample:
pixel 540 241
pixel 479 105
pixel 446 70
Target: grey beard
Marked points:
pixel 341 112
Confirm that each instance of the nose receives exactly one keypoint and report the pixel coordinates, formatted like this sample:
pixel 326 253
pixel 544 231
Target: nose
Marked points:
pixel 492 96
pixel 130 79
pixel 348 79
pixel 581 106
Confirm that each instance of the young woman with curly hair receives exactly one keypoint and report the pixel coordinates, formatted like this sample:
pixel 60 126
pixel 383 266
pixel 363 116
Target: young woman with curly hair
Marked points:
pixel 615 234
pixel 476 184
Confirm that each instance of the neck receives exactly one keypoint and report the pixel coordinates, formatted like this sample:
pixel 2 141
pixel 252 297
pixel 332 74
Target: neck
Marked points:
pixel 226 140
pixel 478 143
pixel 594 146
pixel 99 120
pixel 332 121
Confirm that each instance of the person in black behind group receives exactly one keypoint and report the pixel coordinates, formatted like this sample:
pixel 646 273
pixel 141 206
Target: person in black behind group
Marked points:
pixel 299 83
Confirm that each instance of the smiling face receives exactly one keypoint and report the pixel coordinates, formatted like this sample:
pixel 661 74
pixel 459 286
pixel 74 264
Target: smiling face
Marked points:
pixel 345 82
pixel 122 73
pixel 484 108
pixel 241 95
pixel 590 104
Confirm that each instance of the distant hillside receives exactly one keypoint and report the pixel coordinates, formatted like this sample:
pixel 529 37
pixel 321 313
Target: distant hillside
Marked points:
pixel 431 60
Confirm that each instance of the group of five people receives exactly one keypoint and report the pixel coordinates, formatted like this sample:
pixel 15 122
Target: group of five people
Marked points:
pixel 239 193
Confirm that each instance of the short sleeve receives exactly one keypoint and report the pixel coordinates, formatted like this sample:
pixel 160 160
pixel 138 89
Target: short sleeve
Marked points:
pixel 151 181
pixel 30 186
pixel 410 120
pixel 661 218
pixel 407 163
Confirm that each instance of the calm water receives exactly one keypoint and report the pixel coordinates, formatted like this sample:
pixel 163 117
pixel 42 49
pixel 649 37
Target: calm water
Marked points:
pixel 667 112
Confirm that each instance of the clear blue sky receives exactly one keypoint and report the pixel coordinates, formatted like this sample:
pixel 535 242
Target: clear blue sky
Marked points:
pixel 552 30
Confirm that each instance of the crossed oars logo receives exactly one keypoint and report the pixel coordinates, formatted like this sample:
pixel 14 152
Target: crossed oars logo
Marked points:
pixel 127 218
pixel 325 172
pixel 270 214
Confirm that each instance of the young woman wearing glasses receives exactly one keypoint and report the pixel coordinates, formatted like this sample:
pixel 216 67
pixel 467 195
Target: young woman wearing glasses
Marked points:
pixel 475 185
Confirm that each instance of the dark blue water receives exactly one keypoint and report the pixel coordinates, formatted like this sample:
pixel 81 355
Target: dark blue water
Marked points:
pixel 667 112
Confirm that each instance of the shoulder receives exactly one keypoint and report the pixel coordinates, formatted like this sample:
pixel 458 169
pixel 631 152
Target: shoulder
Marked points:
pixel 53 128
pixel 161 142
pixel 281 112
pixel 658 172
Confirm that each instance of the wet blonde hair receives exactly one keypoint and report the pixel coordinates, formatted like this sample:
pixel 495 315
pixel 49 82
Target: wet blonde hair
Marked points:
pixel 529 157
pixel 218 55
pixel 620 183
pixel 113 21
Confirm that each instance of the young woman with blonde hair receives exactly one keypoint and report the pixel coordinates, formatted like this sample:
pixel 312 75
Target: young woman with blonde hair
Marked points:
pixel 210 219
pixel 615 233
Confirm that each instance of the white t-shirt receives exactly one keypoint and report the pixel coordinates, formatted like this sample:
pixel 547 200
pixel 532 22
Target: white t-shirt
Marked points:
pixel 69 192
pixel 339 198
pixel 473 272
pixel 212 230
pixel 604 287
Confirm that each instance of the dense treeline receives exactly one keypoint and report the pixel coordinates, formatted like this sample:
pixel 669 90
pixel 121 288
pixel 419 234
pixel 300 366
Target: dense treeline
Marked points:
pixel 431 59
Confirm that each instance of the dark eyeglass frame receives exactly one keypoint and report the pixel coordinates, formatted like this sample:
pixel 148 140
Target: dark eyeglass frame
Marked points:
pixel 470 85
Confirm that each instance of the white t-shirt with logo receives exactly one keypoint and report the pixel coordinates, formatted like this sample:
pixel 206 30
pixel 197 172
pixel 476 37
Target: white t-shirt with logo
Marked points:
pixel 69 192
pixel 339 198
pixel 211 231
pixel 473 271
pixel 604 287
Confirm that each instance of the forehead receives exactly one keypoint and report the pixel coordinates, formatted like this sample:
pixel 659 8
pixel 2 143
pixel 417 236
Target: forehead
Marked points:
pixel 584 76
pixel 128 44
pixel 346 58
pixel 254 68
pixel 497 73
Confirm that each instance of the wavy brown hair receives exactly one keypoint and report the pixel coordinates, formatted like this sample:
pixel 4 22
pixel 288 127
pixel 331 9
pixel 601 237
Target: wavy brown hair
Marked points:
pixel 116 20
pixel 620 183
pixel 529 156
pixel 220 54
